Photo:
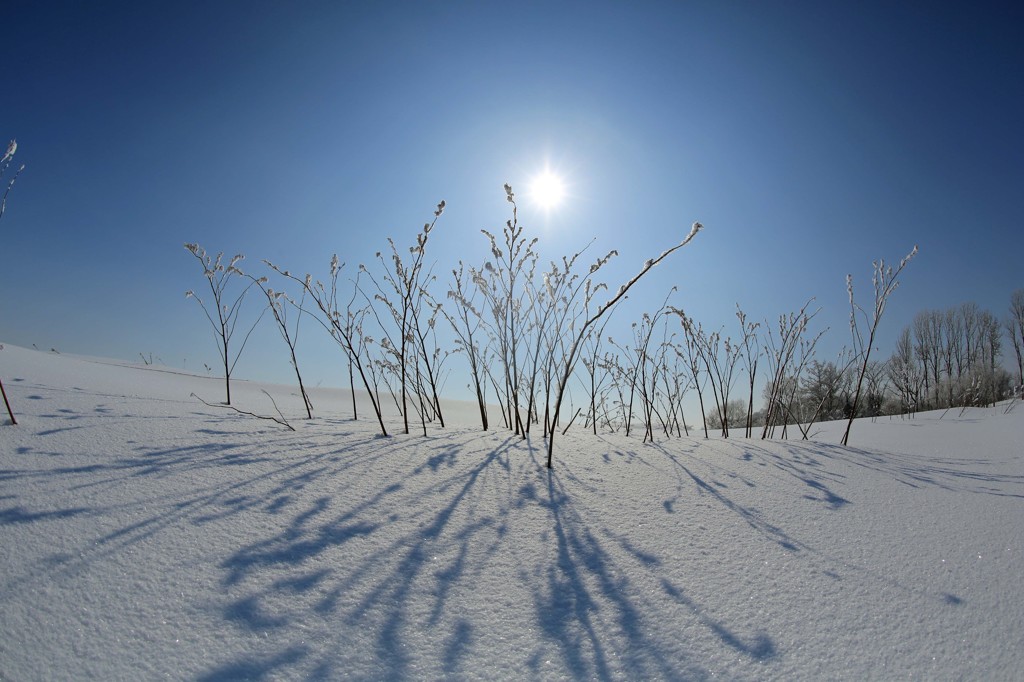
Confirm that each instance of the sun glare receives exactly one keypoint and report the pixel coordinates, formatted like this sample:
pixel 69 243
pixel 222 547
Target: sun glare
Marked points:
pixel 547 190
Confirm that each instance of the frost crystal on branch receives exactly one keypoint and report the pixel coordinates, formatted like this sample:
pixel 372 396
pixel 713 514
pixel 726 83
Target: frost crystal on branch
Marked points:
pixel 224 310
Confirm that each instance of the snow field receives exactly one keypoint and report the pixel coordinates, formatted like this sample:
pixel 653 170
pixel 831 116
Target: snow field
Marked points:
pixel 148 536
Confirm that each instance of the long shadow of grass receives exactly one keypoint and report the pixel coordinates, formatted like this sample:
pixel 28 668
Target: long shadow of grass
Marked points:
pixel 391 573
pixel 958 475
pixel 750 516
pixel 298 571
pixel 567 609
pixel 812 464
pixel 393 592
pixel 595 609
pixel 299 542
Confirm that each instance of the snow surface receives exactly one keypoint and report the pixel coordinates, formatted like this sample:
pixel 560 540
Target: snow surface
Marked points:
pixel 148 536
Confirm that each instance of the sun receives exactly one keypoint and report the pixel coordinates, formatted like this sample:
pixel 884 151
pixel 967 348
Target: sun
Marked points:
pixel 546 190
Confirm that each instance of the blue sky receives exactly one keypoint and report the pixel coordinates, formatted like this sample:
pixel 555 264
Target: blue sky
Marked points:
pixel 809 138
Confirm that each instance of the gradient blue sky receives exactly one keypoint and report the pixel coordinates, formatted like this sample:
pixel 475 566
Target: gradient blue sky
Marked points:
pixel 810 138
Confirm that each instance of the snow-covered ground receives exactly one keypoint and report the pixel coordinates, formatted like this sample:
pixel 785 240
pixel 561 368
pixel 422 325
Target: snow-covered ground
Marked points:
pixel 148 536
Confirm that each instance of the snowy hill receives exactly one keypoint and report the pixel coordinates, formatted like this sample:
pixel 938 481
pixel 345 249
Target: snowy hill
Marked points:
pixel 148 536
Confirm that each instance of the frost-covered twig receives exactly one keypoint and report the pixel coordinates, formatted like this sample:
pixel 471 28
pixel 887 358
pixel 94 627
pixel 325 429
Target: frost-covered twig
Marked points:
pixel 752 353
pixel 346 331
pixel 402 290
pixel 885 281
pixel 499 282
pixel 780 354
pixel 4 163
pixel 468 323
pixel 218 276
pixel 568 362
pixel 278 302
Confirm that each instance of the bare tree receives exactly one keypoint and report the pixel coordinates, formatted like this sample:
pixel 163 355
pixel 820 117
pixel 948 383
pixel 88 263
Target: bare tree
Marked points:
pixel 877 385
pixel 734 412
pixel 969 313
pixel 952 348
pixel 227 306
pixel 1015 330
pixel 928 345
pixel 905 374
pixel 992 340
pixel 828 385
pixel 954 356
pixel 885 281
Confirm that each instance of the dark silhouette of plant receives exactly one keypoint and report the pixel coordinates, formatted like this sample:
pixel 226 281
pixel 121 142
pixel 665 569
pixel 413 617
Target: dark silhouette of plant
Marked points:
pixel 431 355
pixel 546 314
pixel 802 406
pixel 1015 330
pixel 721 357
pixel 905 374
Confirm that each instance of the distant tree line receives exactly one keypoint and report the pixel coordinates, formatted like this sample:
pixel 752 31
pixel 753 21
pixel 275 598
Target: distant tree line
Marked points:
pixel 950 358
